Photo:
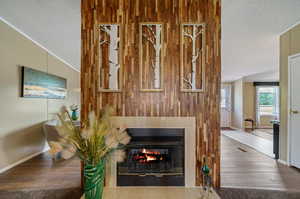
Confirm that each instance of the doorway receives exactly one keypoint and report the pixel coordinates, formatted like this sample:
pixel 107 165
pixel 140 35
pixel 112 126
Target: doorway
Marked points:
pixel 267 106
pixel 294 109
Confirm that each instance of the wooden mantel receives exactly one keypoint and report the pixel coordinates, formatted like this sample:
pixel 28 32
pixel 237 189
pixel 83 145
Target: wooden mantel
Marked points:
pixel 170 102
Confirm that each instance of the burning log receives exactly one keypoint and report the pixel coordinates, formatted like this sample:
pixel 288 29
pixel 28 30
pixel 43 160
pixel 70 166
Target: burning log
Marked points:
pixel 146 156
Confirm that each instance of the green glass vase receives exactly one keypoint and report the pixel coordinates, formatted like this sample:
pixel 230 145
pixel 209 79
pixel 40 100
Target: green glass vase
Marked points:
pixel 74 115
pixel 94 180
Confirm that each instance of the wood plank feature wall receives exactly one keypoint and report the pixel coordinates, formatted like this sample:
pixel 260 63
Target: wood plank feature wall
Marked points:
pixel 170 102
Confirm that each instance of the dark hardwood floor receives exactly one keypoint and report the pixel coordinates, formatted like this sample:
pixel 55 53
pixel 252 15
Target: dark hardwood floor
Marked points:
pixel 243 167
pixel 40 177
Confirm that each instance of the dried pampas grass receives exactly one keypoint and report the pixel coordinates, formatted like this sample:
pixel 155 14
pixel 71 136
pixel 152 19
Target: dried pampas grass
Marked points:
pixel 98 138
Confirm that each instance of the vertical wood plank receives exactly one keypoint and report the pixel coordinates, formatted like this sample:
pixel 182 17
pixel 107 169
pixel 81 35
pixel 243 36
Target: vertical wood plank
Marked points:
pixel 171 102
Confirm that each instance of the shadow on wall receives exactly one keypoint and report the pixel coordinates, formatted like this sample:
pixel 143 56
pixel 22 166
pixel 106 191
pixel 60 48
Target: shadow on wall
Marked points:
pixel 21 144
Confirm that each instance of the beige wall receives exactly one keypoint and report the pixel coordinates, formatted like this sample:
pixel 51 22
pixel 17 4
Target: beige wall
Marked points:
pixel 237 102
pixel 249 102
pixel 265 121
pixel 56 67
pixel 289 45
pixel 243 103
pixel 246 108
pixel 20 118
pixel 250 108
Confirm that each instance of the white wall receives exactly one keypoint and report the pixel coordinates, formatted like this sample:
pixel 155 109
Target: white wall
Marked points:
pixel 226 111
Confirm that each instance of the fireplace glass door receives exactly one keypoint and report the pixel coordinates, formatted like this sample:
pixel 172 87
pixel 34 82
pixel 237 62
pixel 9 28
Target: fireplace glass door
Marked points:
pixel 155 157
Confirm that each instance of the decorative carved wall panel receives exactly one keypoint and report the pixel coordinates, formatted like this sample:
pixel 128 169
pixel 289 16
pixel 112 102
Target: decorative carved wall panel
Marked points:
pixel 110 61
pixel 150 56
pixel 192 55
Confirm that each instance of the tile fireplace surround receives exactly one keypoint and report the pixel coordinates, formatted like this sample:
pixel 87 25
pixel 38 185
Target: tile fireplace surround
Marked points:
pixel 158 193
pixel 186 123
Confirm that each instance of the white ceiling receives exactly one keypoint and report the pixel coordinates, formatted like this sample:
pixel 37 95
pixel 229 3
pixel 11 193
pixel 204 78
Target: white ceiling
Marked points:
pixel 269 76
pixel 55 24
pixel 250 35
pixel 250 31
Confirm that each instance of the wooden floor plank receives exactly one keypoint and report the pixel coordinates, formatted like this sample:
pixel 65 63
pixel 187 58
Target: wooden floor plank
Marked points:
pixel 41 173
pixel 258 143
pixel 239 168
pixel 248 168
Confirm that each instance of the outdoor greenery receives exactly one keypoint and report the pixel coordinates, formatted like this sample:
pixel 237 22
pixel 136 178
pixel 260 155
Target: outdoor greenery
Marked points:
pixel 266 99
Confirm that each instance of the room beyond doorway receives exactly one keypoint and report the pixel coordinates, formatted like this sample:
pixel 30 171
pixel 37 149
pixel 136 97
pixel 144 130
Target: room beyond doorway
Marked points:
pixel 267 105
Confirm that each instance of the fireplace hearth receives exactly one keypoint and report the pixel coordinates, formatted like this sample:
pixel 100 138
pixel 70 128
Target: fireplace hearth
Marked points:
pixel 155 157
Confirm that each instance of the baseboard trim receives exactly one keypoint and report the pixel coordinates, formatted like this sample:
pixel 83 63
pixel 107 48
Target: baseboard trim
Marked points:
pixel 283 162
pixel 234 128
pixel 245 188
pixel 23 160
pixel 264 127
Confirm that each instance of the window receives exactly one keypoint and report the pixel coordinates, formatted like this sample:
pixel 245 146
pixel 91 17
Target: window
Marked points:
pixel 223 98
pixel 226 96
pixel 268 100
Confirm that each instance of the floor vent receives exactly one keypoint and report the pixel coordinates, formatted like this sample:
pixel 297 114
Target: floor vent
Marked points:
pixel 241 149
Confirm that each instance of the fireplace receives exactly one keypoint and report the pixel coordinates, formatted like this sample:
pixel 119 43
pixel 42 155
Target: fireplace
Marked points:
pixel 155 157
pixel 186 127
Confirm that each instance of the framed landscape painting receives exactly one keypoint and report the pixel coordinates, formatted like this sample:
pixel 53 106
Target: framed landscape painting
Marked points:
pixel 38 84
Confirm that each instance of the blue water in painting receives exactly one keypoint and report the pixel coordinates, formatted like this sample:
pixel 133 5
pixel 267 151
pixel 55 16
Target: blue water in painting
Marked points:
pixel 37 84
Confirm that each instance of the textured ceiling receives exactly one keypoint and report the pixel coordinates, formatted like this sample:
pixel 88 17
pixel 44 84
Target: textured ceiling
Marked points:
pixel 250 31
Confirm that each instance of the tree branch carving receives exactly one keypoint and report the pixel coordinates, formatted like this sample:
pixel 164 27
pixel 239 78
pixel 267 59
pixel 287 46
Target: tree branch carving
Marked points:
pixel 154 37
pixel 191 79
pixel 112 30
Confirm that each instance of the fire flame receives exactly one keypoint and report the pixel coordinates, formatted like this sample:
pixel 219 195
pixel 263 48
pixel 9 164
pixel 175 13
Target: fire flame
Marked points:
pixel 148 156
pixel 150 152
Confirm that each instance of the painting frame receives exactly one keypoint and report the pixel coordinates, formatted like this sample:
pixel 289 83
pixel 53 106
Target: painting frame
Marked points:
pixel 42 85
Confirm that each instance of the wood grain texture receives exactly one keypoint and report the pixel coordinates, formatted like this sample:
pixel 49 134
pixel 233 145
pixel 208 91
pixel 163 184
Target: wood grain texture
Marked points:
pixel 170 102
pixel 42 173
pixel 242 167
